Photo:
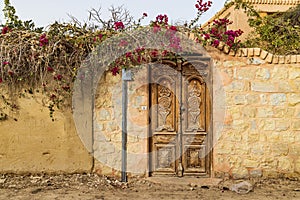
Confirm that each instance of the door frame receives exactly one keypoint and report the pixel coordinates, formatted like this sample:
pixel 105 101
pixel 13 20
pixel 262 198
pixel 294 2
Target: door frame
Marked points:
pixel 203 65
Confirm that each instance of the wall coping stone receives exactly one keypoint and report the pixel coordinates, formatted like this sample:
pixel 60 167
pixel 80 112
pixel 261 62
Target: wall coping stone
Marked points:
pixel 264 55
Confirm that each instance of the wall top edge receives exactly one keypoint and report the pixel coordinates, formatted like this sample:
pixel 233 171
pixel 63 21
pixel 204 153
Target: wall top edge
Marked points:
pixel 262 54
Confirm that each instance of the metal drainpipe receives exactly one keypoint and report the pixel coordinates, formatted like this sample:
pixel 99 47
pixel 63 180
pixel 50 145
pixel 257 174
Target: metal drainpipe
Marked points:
pixel 126 76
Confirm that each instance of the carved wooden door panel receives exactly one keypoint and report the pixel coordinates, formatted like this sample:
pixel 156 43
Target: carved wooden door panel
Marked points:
pixel 179 122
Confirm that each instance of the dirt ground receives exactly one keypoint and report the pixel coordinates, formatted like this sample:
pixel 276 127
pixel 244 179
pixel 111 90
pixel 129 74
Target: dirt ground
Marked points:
pixel 92 186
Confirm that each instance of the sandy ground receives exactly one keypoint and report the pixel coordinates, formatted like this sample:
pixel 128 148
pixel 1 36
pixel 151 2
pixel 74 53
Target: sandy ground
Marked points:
pixel 92 186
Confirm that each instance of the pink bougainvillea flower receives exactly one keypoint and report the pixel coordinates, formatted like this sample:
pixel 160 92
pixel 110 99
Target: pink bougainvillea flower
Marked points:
pixel 154 53
pixel 164 53
pixel 139 49
pixel 66 88
pixel 99 37
pixel 115 71
pixel 175 43
pixel 43 40
pixel 10 72
pixel 50 69
pixel 145 14
pixel 6 63
pixel 173 28
pixel 128 55
pixel 203 7
pixel 119 26
pixel 162 19
pixel 53 96
pixel 5 29
pixel 216 43
pixel 58 77
pixel 156 28
pixel 206 36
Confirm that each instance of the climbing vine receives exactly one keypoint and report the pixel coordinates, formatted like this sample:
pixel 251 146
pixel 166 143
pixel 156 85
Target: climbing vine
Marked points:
pixel 37 60
pixel 278 33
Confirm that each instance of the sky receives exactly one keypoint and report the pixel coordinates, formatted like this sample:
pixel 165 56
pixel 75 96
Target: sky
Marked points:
pixel 46 12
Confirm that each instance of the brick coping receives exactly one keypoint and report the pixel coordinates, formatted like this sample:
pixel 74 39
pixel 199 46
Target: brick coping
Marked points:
pixel 262 54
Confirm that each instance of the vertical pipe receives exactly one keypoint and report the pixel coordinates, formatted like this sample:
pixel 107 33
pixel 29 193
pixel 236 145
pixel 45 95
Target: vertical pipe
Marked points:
pixel 124 130
pixel 180 167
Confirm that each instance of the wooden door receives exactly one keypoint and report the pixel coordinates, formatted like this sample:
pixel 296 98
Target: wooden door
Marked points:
pixel 180 117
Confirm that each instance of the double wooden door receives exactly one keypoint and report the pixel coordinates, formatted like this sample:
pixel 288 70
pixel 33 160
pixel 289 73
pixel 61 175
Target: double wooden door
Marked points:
pixel 180 121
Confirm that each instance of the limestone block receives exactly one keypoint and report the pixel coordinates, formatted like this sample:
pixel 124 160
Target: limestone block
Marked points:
pixel 290 112
pixel 281 59
pixel 284 164
pixel 102 169
pixel 245 52
pixel 233 64
pixel 275 59
pixel 282 125
pixel 295 85
pixel 103 148
pixel 235 86
pixel 240 173
pixel 239 53
pixel 221 46
pixel 112 127
pixel 250 163
pixel 116 137
pixel 279 148
pixel 297 113
pixel 226 49
pixel 104 114
pixel 264 54
pixel 287 59
pixel 258 149
pixel 293 99
pixel 250 52
pixel 240 125
pixel 239 100
pixel 280 112
pixel 249 111
pixel 269 125
pixel 294 150
pixel 269 58
pixel 256 173
pixel 287 137
pixel 223 149
pixel 298 58
pixel 232 52
pixel 285 87
pixel 297 165
pixel 257 51
pixel 252 99
pixel 263 87
pixel 277 99
pixel 296 124
pixel 294 73
pixel 263 99
pixel 279 73
pixel 245 73
pixel 263 74
pixel 293 58
pixel 253 127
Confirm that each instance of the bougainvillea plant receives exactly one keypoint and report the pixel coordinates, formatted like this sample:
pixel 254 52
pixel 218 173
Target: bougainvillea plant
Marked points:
pixel 37 60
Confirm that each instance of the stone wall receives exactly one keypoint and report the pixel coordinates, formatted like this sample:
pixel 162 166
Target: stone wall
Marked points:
pixel 260 135
pixel 256 118
pixel 108 124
